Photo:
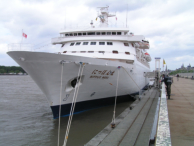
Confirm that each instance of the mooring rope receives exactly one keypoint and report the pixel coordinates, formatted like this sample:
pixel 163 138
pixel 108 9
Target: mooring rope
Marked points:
pixel 113 119
pixel 73 103
pixel 60 103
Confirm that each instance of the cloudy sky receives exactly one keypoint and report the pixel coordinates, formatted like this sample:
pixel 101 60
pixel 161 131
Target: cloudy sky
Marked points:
pixel 167 24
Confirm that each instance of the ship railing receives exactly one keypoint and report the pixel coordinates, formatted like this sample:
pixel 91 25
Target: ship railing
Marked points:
pixel 20 47
pixel 136 38
pixel 93 26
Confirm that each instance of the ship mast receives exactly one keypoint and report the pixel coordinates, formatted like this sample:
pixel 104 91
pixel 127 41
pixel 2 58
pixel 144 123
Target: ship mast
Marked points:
pixel 104 16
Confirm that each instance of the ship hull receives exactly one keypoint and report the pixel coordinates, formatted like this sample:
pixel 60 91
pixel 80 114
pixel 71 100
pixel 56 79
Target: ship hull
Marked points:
pixel 98 80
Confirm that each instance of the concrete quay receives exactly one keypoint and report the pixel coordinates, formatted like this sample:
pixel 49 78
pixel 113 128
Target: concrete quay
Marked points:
pixel 134 126
pixel 181 112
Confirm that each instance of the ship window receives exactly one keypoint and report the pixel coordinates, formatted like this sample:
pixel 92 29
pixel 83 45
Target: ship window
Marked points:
pixel 115 52
pixel 101 52
pixel 91 33
pixel 66 34
pixel 84 33
pixel 75 34
pixel 101 43
pixel 71 34
pixel 83 51
pixel 127 53
pixel 108 33
pixel 98 33
pixel 118 33
pixel 72 44
pixel 73 51
pixel 79 33
pixel 85 43
pixel 126 44
pixel 90 51
pixel 103 33
pixel 113 33
pixel 93 43
pixel 64 51
pixel 109 43
pixel 78 43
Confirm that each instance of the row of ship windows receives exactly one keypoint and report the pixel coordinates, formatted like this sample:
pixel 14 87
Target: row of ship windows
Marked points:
pixel 91 43
pixel 114 52
pixel 93 33
pixel 94 43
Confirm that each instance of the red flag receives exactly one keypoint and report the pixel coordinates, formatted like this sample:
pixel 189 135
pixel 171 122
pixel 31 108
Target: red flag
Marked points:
pixel 24 35
pixel 147 53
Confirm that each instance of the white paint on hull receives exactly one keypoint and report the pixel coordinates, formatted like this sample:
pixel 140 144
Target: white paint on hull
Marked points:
pixel 45 70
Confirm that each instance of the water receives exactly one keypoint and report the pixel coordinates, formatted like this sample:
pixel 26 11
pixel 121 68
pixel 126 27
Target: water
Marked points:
pixel 26 118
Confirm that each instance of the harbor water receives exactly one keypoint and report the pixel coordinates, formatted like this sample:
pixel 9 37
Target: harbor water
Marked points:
pixel 26 118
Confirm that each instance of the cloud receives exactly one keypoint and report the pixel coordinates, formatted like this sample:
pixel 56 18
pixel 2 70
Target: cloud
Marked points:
pixel 167 24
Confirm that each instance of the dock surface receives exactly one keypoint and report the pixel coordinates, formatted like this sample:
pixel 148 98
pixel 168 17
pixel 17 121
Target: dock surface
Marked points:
pixel 181 112
pixel 136 126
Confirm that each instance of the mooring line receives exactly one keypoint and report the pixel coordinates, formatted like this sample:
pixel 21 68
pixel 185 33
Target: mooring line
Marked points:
pixel 60 104
pixel 113 119
pixel 73 103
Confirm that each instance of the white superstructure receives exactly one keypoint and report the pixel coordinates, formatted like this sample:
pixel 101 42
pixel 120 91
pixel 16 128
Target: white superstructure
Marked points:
pixel 104 51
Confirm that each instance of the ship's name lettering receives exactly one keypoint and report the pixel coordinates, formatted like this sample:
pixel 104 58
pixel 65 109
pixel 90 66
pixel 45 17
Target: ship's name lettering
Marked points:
pixel 103 72
pixel 99 77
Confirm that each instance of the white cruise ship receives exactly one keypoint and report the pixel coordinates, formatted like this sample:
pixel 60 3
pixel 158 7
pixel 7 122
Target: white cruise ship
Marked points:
pixel 94 56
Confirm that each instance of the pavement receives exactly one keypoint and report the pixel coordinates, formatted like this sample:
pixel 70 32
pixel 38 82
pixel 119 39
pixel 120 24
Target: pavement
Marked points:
pixel 181 112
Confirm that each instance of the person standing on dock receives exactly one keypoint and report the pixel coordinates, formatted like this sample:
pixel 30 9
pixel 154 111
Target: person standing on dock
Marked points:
pixel 177 77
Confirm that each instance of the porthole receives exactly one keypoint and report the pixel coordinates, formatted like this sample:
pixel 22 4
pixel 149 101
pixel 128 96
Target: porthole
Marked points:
pixel 127 53
pixel 90 51
pixel 115 52
pixel 101 52
pixel 93 43
pixel 72 44
pixel 78 43
pixel 83 51
pixel 85 43
pixel 101 43
pixel 126 44
pixel 109 43
pixel 64 51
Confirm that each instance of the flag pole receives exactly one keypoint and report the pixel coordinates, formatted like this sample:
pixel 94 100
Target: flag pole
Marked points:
pixel 21 40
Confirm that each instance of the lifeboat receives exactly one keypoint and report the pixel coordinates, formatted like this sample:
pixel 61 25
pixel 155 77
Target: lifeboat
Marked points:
pixel 147 57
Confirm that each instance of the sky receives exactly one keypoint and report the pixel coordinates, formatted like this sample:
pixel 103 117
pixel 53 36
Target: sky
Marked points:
pixel 167 24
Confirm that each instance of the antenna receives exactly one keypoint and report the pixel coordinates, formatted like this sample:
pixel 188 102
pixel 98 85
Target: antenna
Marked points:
pixel 126 15
pixel 65 19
